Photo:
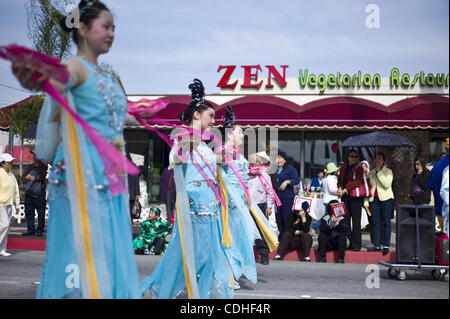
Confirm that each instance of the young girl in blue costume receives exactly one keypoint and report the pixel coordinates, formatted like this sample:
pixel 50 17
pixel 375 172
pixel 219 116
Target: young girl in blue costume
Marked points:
pixel 242 227
pixel 245 219
pixel 194 261
pixel 100 262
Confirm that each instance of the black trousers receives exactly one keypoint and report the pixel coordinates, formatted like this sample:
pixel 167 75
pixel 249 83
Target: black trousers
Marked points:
pixel 38 204
pixel 283 213
pixel 131 211
pixel 353 206
pixel 170 204
pixel 158 245
pixel 261 246
pixel 297 242
pixel 338 243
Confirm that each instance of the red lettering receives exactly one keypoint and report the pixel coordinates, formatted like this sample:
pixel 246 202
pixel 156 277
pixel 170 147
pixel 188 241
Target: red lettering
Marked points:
pixel 249 76
pixel 226 76
pixel 272 71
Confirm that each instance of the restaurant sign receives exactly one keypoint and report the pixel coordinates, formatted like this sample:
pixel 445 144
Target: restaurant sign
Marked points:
pixel 251 79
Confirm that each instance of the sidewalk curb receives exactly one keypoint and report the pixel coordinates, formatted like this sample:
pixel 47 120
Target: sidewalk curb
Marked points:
pixel 361 257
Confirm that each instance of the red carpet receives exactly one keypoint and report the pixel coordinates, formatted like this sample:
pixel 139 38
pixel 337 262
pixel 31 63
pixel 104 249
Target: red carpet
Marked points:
pixel 356 257
pixel 26 244
pixel 361 257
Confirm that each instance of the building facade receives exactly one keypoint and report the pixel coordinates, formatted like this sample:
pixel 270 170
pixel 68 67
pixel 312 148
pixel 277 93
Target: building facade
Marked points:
pixel 309 117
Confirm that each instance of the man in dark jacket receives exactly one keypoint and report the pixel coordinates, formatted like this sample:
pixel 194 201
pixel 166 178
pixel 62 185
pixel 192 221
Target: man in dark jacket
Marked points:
pixel 167 186
pixel 133 190
pixel 34 182
pixel 296 235
pixel 332 235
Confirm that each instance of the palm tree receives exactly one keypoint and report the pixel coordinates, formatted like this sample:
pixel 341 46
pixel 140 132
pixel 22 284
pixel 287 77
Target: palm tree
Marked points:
pixel 44 30
pixel 47 37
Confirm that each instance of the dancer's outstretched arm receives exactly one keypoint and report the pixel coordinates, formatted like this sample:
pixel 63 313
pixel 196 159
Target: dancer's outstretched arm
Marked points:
pixel 78 74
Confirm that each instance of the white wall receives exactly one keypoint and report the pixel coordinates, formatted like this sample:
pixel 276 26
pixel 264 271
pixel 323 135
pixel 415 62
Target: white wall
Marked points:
pixel 4 141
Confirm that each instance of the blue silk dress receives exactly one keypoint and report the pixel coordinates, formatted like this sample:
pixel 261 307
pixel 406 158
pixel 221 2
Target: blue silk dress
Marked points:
pixel 212 270
pixel 102 103
pixel 240 255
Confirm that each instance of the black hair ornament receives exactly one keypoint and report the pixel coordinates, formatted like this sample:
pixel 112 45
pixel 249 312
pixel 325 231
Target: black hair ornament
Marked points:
pixel 229 118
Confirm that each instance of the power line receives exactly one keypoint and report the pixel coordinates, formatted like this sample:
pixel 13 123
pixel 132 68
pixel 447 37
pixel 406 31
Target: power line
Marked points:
pixel 13 88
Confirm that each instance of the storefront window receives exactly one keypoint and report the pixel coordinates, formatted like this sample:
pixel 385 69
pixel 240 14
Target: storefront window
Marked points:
pixel 322 148
pixel 290 143
pixel 151 154
pixel 437 146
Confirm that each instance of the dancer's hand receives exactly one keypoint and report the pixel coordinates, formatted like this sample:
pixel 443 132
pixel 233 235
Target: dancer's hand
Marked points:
pixel 146 114
pixel 24 75
pixel 269 211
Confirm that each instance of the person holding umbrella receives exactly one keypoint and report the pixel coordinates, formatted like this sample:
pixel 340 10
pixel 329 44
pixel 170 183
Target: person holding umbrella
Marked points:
pixel 381 202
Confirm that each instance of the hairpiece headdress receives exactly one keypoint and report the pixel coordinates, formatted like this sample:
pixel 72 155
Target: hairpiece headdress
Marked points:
pixel 87 6
pixel 198 92
pixel 229 118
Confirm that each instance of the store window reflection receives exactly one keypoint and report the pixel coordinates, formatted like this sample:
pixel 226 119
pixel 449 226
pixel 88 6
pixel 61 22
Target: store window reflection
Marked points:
pixel 151 154
pixel 437 147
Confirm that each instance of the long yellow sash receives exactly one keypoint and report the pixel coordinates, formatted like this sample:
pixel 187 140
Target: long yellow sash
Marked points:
pixel 82 202
pixel 226 236
pixel 271 240
pixel 185 268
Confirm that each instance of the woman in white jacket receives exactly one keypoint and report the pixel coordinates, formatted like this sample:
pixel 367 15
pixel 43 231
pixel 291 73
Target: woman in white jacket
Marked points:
pixel 329 188
pixel 381 203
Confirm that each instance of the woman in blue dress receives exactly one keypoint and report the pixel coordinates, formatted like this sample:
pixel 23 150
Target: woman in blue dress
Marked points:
pixel 246 221
pixel 242 227
pixel 194 262
pixel 89 252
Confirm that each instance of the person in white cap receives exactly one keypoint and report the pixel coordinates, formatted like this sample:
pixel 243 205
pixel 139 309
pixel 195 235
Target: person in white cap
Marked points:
pixel 9 196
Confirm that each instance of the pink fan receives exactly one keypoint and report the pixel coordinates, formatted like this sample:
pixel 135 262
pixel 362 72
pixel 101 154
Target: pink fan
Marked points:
pixel 145 108
pixel 112 158
pixel 144 111
pixel 46 64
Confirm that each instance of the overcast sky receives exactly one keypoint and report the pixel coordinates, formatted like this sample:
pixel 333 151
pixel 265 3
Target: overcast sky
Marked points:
pixel 160 46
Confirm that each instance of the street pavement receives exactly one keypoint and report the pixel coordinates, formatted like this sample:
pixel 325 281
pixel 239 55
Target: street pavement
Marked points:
pixel 20 272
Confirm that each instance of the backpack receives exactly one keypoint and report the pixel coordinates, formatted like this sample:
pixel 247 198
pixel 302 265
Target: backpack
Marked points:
pixel 33 188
